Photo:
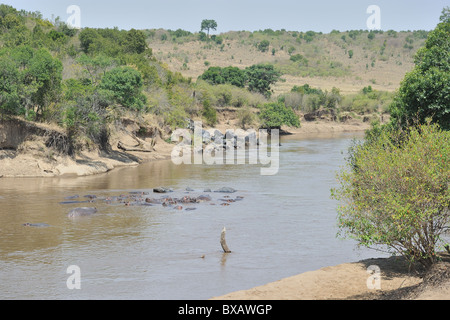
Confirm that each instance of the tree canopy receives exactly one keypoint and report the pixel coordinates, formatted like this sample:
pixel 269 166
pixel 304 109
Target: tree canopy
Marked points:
pixel 208 24
pixel 425 91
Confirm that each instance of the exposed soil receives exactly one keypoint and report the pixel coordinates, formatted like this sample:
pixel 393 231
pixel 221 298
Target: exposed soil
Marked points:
pixel 398 281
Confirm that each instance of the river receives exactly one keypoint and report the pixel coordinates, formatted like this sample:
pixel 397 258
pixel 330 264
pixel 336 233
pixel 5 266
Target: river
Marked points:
pixel 285 225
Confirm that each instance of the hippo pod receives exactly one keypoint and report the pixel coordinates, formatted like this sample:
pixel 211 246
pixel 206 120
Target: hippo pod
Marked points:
pixel 81 212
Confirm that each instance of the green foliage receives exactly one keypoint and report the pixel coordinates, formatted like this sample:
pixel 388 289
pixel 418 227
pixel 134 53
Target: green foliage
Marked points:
pixel 180 33
pixel 308 99
pixel 367 101
pixel 86 116
pixel 209 113
pixel 9 87
pixel 94 67
pixel 33 85
pixel 261 77
pixel 275 114
pixel 135 42
pixel 87 37
pixel 125 85
pixel 425 91
pixel 113 42
pixel 263 46
pixel 395 192
pixel 350 54
pixel 231 75
pixel 445 15
pixel 208 25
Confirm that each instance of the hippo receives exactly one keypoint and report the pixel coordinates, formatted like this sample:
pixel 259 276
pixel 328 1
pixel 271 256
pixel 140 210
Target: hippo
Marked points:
pixel 154 201
pixel 72 197
pixel 36 225
pixel 162 190
pixel 81 212
pixel 203 198
pixel 226 190
pixel 73 202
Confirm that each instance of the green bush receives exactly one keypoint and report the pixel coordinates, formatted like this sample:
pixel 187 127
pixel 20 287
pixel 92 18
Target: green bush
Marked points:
pixel 263 46
pixel 230 75
pixel 125 85
pixel 275 114
pixel 394 192
pixel 209 113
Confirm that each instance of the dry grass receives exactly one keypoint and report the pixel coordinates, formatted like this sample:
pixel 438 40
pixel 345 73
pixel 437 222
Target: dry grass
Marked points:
pixel 189 55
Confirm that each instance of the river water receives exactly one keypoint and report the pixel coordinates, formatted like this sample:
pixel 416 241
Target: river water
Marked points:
pixel 285 225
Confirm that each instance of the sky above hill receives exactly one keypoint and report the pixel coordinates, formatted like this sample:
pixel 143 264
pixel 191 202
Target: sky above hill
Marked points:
pixel 250 15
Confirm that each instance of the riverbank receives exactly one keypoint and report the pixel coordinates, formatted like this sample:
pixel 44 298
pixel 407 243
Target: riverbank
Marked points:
pixel 24 150
pixel 349 281
pixel 29 149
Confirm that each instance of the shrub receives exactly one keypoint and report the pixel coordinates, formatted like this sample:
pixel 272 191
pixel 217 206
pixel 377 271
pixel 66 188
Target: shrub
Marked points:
pixel 263 46
pixel 246 117
pixel 209 113
pixel 299 58
pixel 275 114
pixel 231 75
pixel 125 85
pixel 395 192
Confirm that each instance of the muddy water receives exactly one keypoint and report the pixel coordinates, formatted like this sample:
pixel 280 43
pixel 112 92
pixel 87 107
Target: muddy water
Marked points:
pixel 284 226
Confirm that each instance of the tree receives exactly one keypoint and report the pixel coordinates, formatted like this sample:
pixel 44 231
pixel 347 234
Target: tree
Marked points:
pixel 425 91
pixel 33 85
pixel 87 37
pixel 350 54
pixel 231 75
pixel 135 41
pixel 9 85
pixel 208 25
pixel 445 16
pixel 275 114
pixel 263 46
pixel 125 86
pixel 261 77
pixel 394 192
pixel 95 67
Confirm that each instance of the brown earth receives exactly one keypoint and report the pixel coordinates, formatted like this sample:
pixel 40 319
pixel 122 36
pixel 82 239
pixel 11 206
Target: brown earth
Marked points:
pixel 349 281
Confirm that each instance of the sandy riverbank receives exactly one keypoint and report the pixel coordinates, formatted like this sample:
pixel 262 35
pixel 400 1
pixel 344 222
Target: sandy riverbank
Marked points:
pixel 349 282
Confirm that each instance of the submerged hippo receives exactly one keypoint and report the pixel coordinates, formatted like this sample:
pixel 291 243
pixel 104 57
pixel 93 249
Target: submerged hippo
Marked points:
pixel 162 190
pixel 36 225
pixel 203 198
pixel 81 212
pixel 226 190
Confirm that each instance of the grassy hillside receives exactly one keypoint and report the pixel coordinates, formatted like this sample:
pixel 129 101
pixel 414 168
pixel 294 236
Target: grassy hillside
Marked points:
pixel 380 59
